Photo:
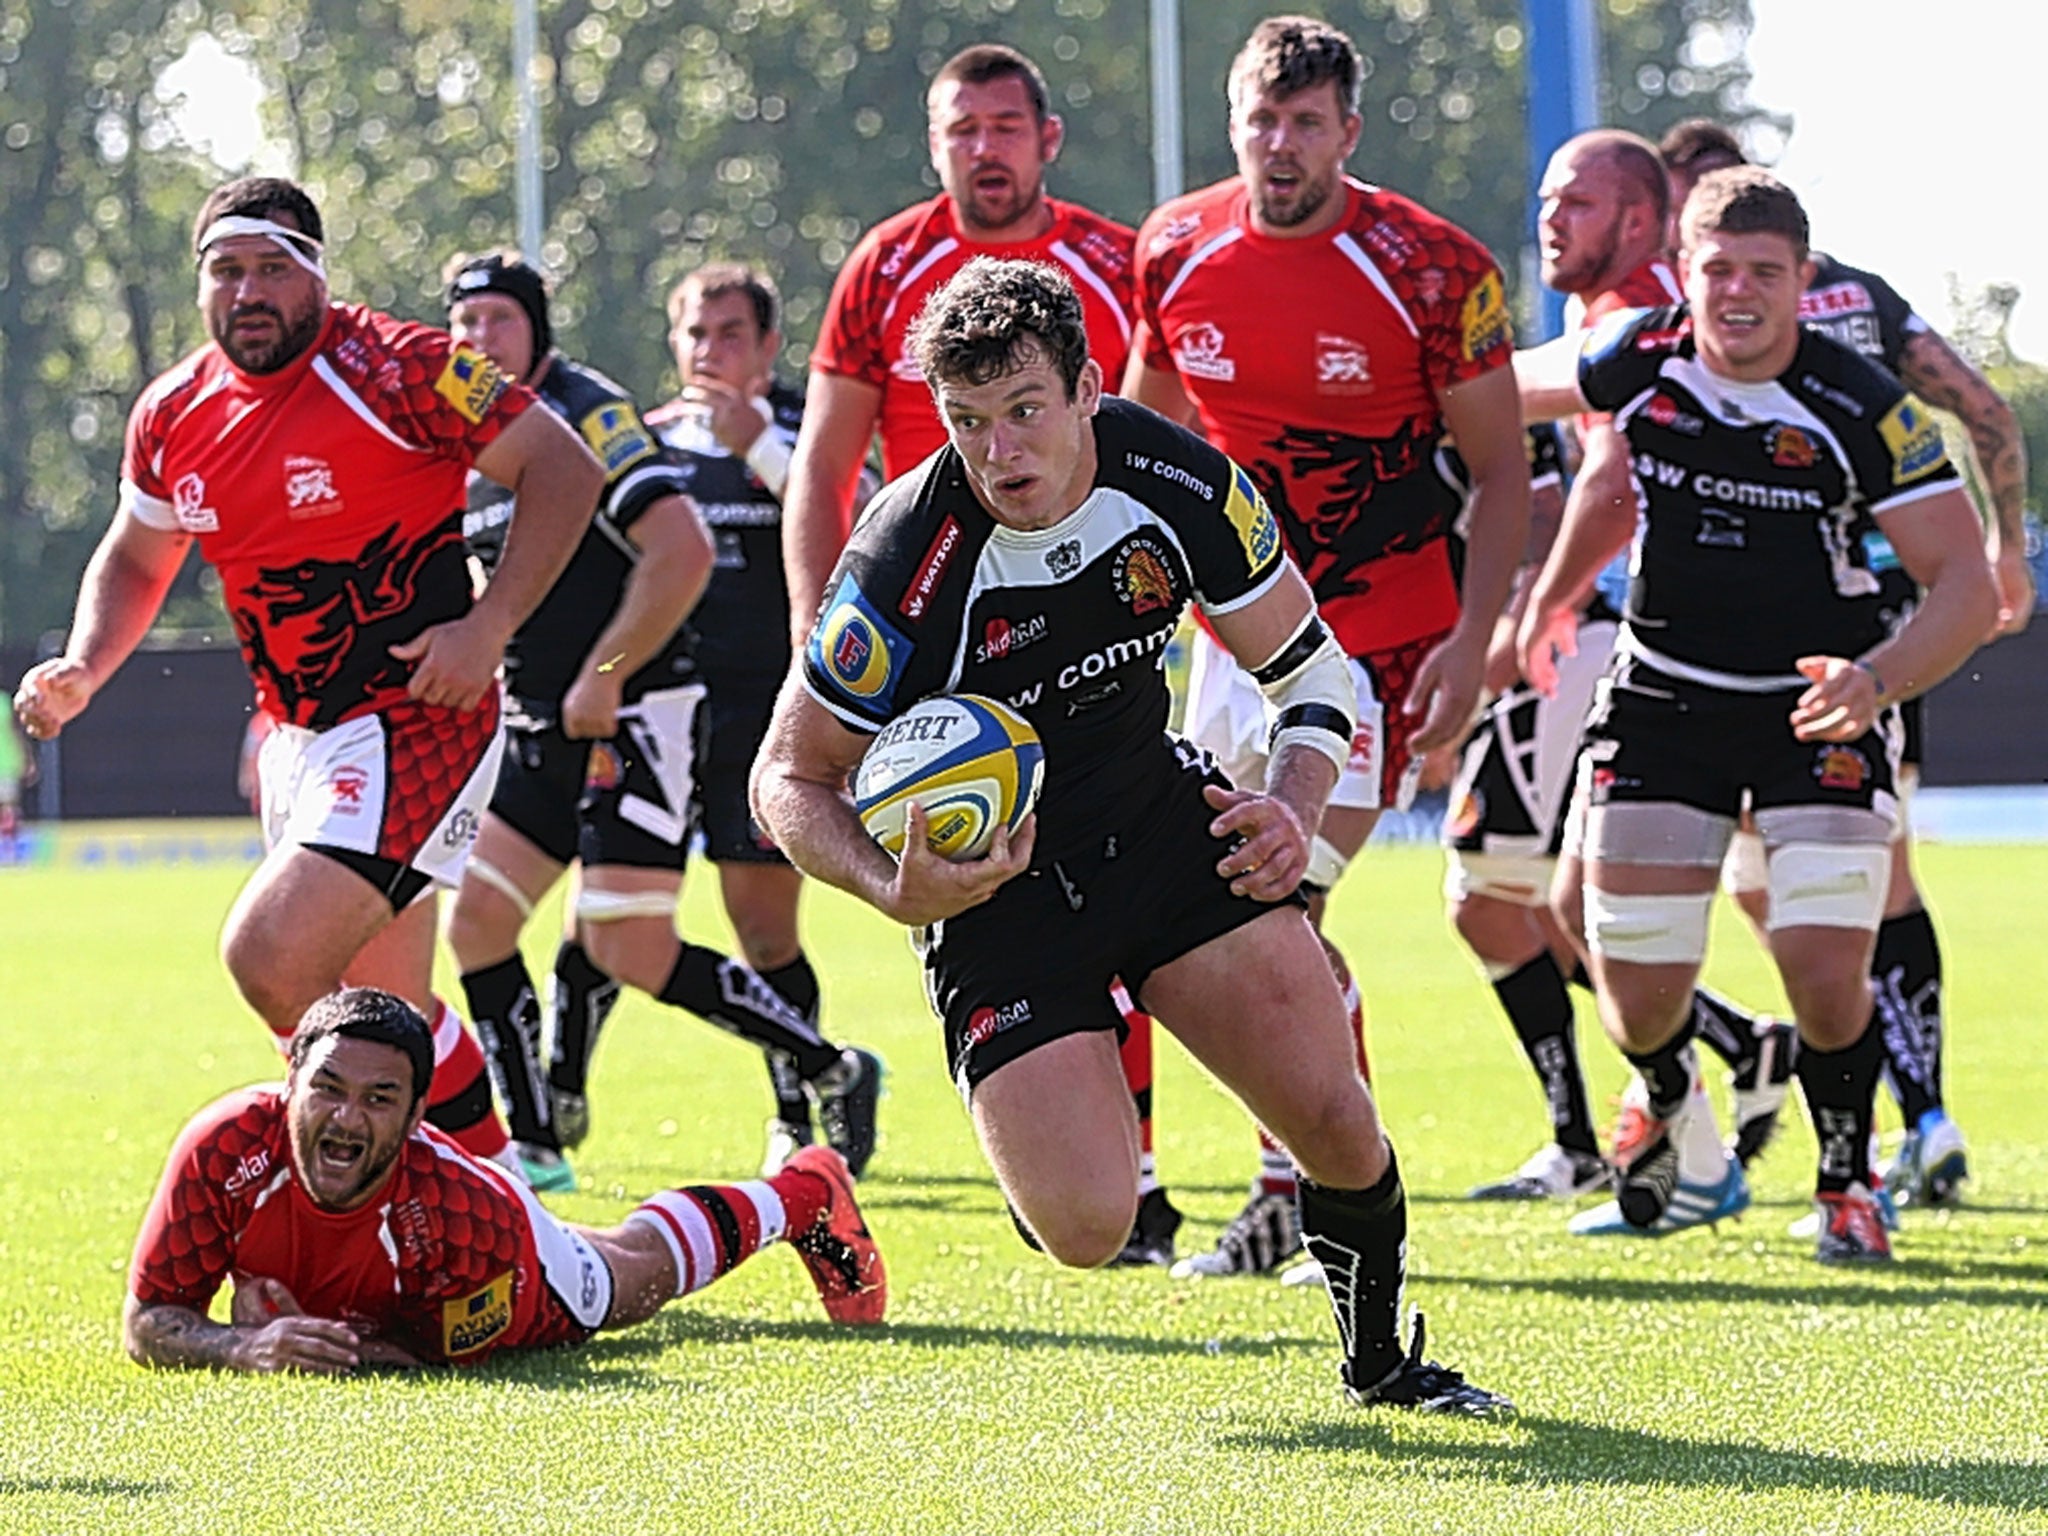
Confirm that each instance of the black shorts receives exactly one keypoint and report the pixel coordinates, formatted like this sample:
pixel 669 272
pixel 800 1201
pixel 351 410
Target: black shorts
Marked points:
pixel 1035 963
pixel 1495 806
pixel 625 800
pixel 739 714
pixel 1652 737
pixel 539 782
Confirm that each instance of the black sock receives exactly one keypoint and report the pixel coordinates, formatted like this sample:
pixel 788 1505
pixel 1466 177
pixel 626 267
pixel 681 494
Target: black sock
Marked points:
pixel 720 989
pixel 799 983
pixel 1360 1238
pixel 1667 1072
pixel 580 1000
pixel 1906 970
pixel 507 1016
pixel 1841 1092
pixel 1725 1027
pixel 1540 1008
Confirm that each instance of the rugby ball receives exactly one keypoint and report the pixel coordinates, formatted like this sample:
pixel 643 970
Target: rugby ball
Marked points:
pixel 974 764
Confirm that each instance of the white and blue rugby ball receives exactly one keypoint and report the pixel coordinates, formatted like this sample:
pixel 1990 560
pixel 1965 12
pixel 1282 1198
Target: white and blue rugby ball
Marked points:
pixel 973 763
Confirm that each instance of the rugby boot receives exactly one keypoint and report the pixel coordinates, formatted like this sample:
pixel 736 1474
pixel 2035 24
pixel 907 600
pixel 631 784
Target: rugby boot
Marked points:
pixel 1423 1386
pixel 1151 1240
pixel 1554 1173
pixel 845 1095
pixel 1261 1238
pixel 838 1250
pixel 1852 1228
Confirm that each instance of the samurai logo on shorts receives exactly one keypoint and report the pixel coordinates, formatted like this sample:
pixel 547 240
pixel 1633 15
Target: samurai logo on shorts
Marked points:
pixel 1143 576
pixel 1841 768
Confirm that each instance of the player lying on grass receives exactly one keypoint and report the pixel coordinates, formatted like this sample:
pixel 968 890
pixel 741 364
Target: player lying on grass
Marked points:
pixel 356 1235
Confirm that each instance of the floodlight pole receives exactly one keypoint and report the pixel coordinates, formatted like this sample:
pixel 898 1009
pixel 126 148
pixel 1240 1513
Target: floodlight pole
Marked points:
pixel 526 185
pixel 1564 80
pixel 1169 174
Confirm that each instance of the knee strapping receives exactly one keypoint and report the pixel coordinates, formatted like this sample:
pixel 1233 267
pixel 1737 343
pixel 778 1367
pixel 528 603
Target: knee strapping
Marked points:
pixel 1648 930
pixel 613 906
pixel 489 874
pixel 1828 885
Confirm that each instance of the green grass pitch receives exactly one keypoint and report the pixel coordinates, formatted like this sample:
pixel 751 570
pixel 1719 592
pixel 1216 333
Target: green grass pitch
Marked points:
pixel 1717 1381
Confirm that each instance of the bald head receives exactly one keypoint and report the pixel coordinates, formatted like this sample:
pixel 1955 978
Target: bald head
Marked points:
pixel 1605 203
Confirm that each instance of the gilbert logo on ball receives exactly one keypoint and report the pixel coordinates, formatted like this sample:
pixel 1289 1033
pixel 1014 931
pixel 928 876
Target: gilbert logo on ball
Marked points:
pixel 973 763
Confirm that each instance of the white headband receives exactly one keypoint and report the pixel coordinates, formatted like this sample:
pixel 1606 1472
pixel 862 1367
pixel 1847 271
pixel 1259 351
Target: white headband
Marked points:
pixel 298 245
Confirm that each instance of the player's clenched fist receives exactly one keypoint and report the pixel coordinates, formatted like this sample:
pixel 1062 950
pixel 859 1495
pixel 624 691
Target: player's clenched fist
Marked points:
pixel 51 695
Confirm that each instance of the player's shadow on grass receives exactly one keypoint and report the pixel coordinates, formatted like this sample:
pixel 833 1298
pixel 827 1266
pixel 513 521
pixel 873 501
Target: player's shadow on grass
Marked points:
pixel 90 1487
pixel 683 1329
pixel 2014 1286
pixel 1556 1452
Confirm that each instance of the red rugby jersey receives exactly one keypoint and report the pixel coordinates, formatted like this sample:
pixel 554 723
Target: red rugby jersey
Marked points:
pixel 904 259
pixel 442 1262
pixel 1318 364
pixel 328 494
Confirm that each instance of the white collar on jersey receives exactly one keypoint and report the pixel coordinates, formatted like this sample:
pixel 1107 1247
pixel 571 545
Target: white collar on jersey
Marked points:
pixel 298 245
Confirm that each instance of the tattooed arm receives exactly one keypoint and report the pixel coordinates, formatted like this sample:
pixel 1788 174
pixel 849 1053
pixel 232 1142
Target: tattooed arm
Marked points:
pixel 167 1335
pixel 1934 371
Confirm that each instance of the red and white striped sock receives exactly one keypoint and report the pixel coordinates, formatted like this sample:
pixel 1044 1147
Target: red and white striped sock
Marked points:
pixel 1136 1056
pixel 459 1098
pixel 1276 1168
pixel 711 1229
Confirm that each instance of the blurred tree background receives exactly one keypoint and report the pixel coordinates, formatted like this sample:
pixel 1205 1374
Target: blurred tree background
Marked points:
pixel 674 130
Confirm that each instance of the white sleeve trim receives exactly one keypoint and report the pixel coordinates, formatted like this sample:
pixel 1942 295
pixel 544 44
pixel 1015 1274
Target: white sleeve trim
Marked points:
pixel 1915 493
pixel 150 511
pixel 847 717
pixel 1279 566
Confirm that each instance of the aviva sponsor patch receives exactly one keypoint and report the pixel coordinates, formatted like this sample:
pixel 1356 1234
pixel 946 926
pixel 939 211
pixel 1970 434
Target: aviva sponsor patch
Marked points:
pixel 856 649
pixel 471 383
pixel 1253 520
pixel 470 1322
pixel 1484 318
pixel 616 436
pixel 1913 438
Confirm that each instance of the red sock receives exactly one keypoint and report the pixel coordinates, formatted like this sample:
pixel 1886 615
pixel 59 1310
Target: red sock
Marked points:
pixel 1136 1053
pixel 711 1229
pixel 459 1098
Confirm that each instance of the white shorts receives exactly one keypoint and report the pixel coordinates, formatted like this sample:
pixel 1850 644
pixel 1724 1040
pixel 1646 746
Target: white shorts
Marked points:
pixel 1227 716
pixel 407 784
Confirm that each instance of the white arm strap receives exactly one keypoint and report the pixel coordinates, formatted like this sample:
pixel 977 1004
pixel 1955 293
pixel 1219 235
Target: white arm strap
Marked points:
pixel 1308 689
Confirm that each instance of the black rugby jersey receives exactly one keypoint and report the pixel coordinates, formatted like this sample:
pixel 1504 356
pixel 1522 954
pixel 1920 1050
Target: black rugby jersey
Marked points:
pixel 1757 495
pixel 1860 310
pixel 1068 624
pixel 545 655
pixel 741 624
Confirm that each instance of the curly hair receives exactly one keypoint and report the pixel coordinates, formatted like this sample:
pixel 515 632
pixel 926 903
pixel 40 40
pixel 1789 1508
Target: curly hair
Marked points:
pixel 994 317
